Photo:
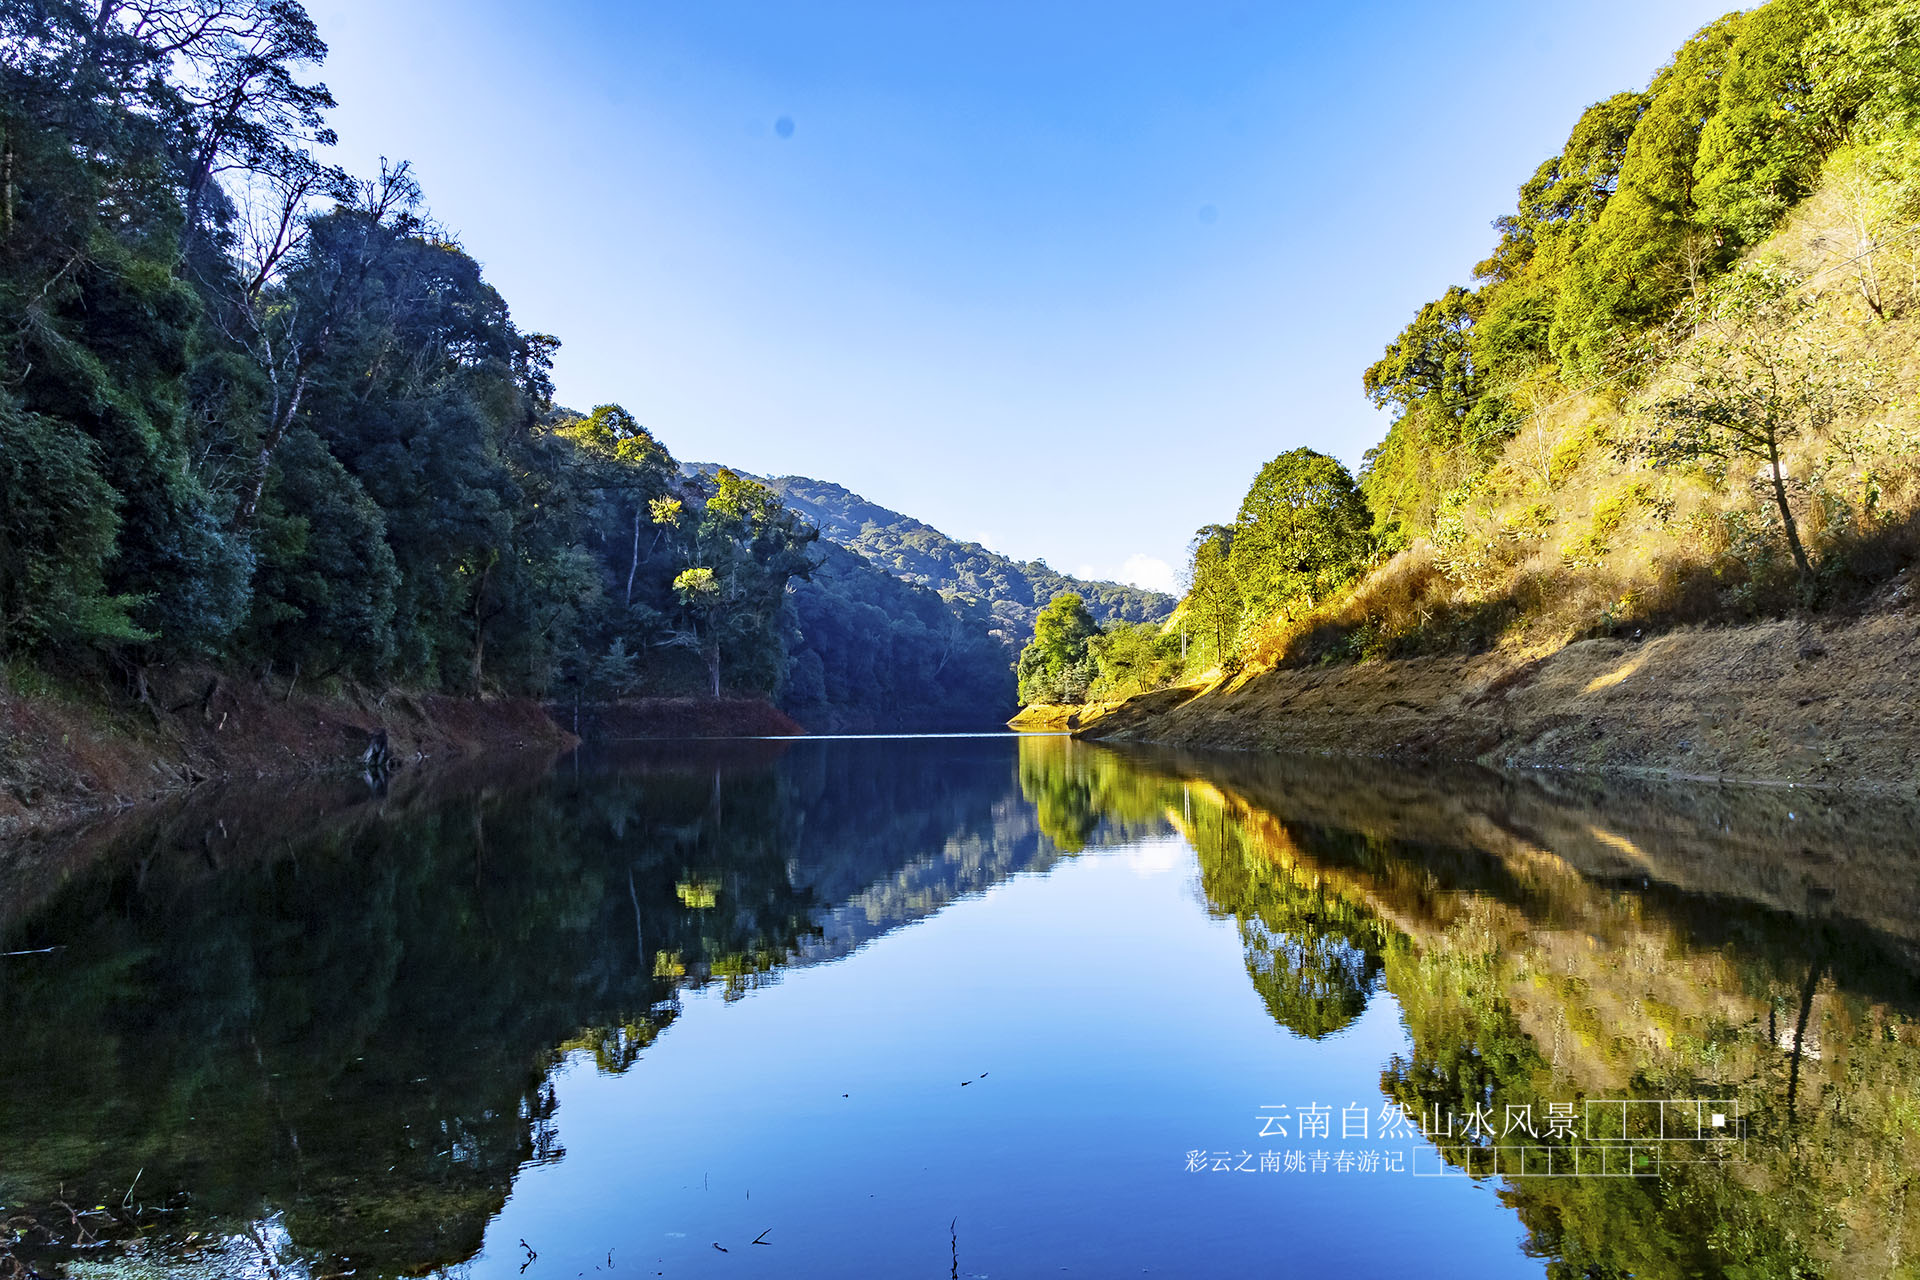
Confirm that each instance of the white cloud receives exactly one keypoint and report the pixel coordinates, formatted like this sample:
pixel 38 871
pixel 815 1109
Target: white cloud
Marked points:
pixel 1150 572
pixel 1155 858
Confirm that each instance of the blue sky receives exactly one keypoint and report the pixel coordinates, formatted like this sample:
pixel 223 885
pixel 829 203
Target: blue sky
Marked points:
pixel 1056 277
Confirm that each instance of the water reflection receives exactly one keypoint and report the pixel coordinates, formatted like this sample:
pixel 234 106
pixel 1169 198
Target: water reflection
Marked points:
pixel 325 1024
pixel 1551 941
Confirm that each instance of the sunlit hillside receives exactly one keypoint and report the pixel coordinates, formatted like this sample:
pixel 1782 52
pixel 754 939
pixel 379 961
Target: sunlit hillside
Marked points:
pixel 1577 525
pixel 1680 390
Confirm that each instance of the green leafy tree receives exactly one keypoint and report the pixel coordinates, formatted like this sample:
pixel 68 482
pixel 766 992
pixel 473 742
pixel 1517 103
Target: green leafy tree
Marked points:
pixel 56 536
pixel 1431 361
pixel 1648 251
pixel 1131 658
pixel 1303 531
pixel 1863 69
pixel 1763 146
pixel 629 471
pixel 746 548
pixel 1213 605
pixel 1054 666
pixel 1566 194
pixel 324 594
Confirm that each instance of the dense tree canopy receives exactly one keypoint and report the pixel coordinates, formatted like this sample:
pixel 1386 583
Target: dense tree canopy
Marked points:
pixel 1654 195
pixel 1301 532
pixel 1055 666
pixel 256 412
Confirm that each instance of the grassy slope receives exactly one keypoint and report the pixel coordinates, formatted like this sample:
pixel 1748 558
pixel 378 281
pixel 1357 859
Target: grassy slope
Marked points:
pixel 1529 596
pixel 1563 539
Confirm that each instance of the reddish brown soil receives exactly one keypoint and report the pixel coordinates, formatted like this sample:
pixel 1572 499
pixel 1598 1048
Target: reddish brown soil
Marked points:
pixel 64 755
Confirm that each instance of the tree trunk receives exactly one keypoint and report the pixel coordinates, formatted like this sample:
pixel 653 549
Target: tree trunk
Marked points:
pixel 6 225
pixel 639 932
pixel 713 666
pixel 1786 514
pixel 1807 993
pixel 632 572
pixel 276 432
pixel 480 621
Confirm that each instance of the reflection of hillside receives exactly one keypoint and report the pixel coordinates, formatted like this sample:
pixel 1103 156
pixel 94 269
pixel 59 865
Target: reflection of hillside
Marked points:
pixel 965 863
pixel 243 819
pixel 343 1007
pixel 1551 943
pixel 1794 851
pixel 895 861
pixel 349 1017
pixel 1079 799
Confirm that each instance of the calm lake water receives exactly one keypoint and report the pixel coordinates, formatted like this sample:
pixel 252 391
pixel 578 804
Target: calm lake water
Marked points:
pixel 965 1007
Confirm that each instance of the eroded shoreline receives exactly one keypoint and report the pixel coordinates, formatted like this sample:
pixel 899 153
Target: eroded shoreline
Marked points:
pixel 1780 702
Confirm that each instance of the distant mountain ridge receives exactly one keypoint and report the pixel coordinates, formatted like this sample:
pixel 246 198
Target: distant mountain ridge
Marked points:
pixel 1013 590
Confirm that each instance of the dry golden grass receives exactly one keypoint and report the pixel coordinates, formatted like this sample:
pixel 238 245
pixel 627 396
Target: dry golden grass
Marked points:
pixel 1566 537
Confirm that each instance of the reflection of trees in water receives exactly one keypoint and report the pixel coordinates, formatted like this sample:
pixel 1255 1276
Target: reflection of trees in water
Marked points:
pixel 1081 798
pixel 1523 982
pixel 1313 982
pixel 353 1021
pixel 353 1024
pixel 1314 956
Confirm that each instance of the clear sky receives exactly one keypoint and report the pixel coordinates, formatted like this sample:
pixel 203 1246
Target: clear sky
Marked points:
pixel 1056 277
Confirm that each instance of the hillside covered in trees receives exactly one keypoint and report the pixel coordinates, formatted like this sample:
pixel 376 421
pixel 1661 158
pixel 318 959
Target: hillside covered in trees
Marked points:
pixel 1013 591
pixel 261 414
pixel 1680 389
pixel 902 625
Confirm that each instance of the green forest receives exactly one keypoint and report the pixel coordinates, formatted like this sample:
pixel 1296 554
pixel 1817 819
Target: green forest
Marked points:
pixel 1677 390
pixel 900 624
pixel 259 413
pixel 1014 591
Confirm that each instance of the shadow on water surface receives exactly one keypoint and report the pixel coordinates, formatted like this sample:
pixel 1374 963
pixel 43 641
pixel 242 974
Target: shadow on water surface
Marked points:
pixel 320 1026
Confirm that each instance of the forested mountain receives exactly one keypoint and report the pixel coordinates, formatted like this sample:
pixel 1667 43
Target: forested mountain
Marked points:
pixel 1014 591
pixel 1679 389
pixel 259 414
pixel 870 651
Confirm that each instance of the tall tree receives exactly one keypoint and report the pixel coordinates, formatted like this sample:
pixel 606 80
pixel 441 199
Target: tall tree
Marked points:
pixel 746 548
pixel 1213 601
pixel 1054 667
pixel 1303 530
pixel 1751 383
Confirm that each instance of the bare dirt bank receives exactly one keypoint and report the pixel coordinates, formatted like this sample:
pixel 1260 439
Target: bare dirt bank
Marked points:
pixel 62 756
pixel 1779 702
